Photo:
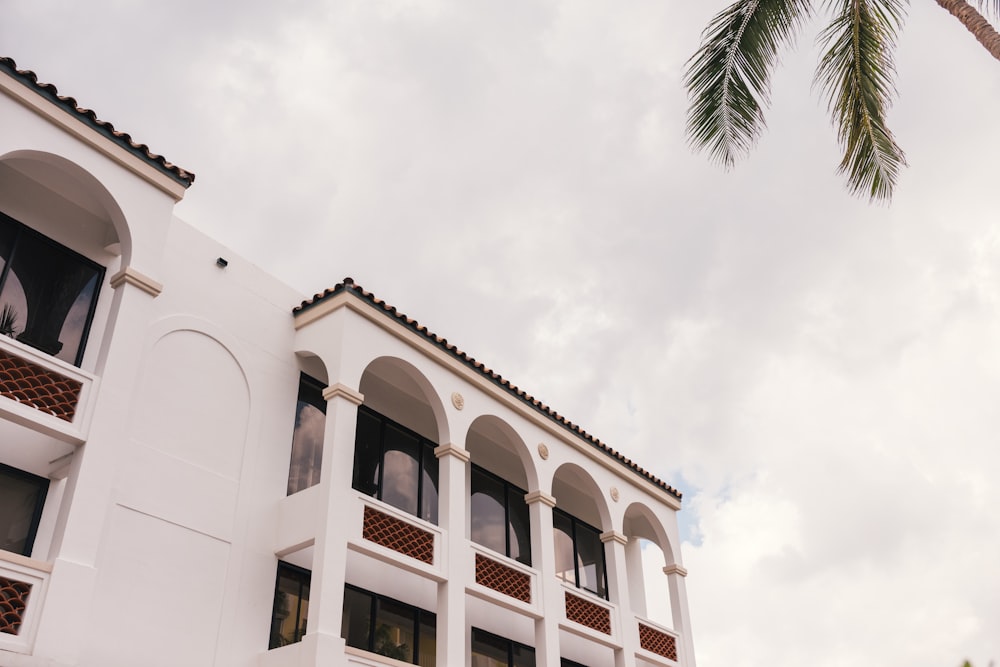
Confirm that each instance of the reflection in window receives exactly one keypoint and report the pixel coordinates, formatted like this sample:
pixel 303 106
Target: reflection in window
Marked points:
pixel 388 627
pixel 579 554
pixel 490 650
pixel 22 497
pixel 47 292
pixel 499 516
pixel 291 605
pixel 307 438
pixel 396 465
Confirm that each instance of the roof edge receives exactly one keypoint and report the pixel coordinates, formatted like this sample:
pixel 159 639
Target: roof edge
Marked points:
pixel 29 80
pixel 349 286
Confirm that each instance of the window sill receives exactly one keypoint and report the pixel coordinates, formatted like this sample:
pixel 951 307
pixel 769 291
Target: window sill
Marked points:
pixel 357 656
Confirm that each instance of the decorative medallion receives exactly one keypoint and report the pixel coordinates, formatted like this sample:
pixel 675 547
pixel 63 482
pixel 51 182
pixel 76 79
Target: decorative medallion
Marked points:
pixel 614 494
pixel 543 450
pixel 457 400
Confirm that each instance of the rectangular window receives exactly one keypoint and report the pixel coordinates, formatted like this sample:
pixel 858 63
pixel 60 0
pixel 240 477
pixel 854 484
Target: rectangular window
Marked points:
pixel 291 605
pixel 579 554
pixel 48 293
pixel 499 516
pixel 490 650
pixel 307 438
pixel 22 497
pixel 388 627
pixel 395 465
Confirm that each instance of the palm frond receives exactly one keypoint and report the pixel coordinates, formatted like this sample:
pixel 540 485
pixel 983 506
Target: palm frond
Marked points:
pixel 728 78
pixel 856 74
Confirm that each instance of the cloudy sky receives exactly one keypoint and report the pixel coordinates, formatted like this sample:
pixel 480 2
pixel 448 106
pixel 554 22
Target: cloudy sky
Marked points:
pixel 819 375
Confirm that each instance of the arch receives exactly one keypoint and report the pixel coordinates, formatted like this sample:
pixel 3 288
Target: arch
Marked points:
pixel 498 514
pixel 648 550
pixel 496 446
pixel 577 493
pixel 73 185
pixel 395 388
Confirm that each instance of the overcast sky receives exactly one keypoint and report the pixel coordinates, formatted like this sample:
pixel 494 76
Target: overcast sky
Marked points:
pixel 820 376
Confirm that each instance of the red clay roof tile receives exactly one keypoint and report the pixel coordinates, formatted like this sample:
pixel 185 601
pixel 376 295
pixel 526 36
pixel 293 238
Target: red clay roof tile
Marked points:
pixel 348 285
pixel 88 117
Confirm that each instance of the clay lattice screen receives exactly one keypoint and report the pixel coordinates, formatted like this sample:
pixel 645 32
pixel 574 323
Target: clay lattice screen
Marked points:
pixel 504 579
pixel 13 600
pixel 398 535
pixel 39 387
pixel 657 642
pixel 587 613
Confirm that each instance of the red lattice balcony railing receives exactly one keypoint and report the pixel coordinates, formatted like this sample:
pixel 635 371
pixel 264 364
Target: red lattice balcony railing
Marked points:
pixel 657 641
pixel 398 535
pixel 42 388
pixel 588 613
pixel 13 601
pixel 503 579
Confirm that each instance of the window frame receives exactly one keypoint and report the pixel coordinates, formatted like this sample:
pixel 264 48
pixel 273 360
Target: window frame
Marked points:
pixel 574 523
pixel 511 644
pixel 20 231
pixel 311 393
pixel 43 484
pixel 419 617
pixel 507 489
pixel 426 448
pixel 304 579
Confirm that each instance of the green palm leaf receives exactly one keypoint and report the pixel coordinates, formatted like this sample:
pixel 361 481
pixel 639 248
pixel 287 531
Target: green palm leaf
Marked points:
pixel 729 76
pixel 856 75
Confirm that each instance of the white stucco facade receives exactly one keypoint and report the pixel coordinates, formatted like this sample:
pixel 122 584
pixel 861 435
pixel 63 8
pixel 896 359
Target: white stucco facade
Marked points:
pixel 166 511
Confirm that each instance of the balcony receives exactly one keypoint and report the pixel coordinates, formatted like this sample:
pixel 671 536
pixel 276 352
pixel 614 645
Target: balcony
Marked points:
pixel 658 645
pixel 22 591
pixel 505 582
pixel 591 616
pixel 44 393
pixel 396 537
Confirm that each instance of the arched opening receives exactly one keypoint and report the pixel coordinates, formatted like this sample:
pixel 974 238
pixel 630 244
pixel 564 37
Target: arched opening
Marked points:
pixel 59 231
pixel 399 425
pixel 306 459
pixel 498 482
pixel 646 554
pixel 578 519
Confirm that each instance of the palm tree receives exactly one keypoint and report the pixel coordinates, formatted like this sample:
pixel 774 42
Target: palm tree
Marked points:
pixel 728 78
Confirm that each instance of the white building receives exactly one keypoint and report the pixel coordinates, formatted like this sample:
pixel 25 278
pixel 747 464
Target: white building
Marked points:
pixel 196 470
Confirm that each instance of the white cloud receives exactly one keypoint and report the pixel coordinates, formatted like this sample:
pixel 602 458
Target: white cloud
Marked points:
pixel 822 372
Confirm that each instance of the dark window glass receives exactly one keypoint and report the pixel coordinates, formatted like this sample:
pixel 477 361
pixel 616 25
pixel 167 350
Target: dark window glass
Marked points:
pixel 396 465
pixel 307 438
pixel 22 497
pixel 47 292
pixel 357 623
pixel 291 605
pixel 579 554
pixel 499 516
pixel 401 469
pixel 569 663
pixel 565 553
pixel 367 452
pixel 389 627
pixel 490 650
pixel 488 514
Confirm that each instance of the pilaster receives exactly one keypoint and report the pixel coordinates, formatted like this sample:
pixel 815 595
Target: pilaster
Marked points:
pixel 453 516
pixel 540 506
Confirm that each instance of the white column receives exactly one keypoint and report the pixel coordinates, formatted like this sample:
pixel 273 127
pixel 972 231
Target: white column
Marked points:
pixel 452 513
pixel 553 604
pixel 323 644
pixel 88 499
pixel 618 586
pixel 679 611
pixel 636 579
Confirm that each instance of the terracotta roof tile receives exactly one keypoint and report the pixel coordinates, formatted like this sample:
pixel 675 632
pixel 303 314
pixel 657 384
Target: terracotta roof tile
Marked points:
pixel 123 139
pixel 350 287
